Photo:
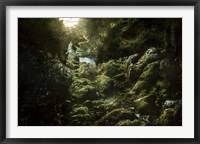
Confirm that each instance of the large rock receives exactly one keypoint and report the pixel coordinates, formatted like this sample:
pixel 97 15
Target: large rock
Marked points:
pixel 81 81
pixel 150 72
pixel 81 120
pixel 102 106
pixel 148 78
pixel 111 68
pixel 80 110
pixel 81 115
pixel 104 84
pixel 171 113
pixel 72 64
pixel 146 105
pixel 135 70
pixel 116 115
pixel 141 86
pixel 166 117
pixel 128 122
pixel 83 92
pixel 132 59
pixel 87 71
pixel 149 56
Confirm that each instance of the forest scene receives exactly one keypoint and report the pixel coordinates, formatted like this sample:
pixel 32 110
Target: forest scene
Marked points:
pixel 99 71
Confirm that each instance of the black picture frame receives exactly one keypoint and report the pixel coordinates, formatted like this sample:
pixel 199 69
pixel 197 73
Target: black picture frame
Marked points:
pixel 5 3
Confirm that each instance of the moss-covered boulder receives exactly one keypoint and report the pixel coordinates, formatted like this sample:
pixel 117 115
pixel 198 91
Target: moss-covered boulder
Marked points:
pixel 147 79
pixel 116 115
pixel 146 105
pixel 120 77
pixel 166 117
pixel 92 103
pixel 81 120
pixel 87 71
pixel 72 64
pixel 136 122
pixel 132 59
pixel 150 72
pixel 152 54
pixel 101 107
pixel 141 86
pixel 104 84
pixel 171 113
pixel 80 110
pixel 77 81
pixel 135 70
pixel 81 115
pixel 111 68
pixel 84 92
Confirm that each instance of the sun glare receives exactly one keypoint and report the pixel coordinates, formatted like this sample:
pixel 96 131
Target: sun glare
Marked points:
pixel 70 22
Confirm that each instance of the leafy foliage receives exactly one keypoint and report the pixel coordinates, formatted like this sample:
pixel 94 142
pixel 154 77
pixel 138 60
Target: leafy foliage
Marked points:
pixel 129 36
pixel 43 79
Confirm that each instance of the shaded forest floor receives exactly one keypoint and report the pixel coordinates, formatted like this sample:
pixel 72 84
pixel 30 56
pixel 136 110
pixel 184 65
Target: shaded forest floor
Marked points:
pixel 129 91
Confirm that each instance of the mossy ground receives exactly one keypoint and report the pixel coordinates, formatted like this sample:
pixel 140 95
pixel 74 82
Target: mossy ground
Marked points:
pixel 111 97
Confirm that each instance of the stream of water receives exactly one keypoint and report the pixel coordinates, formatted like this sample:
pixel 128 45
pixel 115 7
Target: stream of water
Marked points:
pixel 86 60
pixel 81 59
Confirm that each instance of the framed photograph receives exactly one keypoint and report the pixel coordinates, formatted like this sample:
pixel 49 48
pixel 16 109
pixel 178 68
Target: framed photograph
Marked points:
pixel 99 71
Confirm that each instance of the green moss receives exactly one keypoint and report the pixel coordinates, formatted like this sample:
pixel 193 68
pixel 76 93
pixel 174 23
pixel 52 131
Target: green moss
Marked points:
pixel 104 84
pixel 140 85
pixel 150 72
pixel 88 90
pixel 146 105
pixel 83 93
pixel 138 122
pixel 81 119
pixel 151 54
pixel 80 110
pixel 113 117
pixel 87 71
pixel 125 123
pixel 81 81
pixel 133 72
pixel 166 117
pixel 111 68
pixel 128 122
pixel 120 77
pixel 145 66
